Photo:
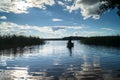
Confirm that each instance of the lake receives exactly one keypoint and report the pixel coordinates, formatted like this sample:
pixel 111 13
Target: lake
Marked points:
pixel 54 59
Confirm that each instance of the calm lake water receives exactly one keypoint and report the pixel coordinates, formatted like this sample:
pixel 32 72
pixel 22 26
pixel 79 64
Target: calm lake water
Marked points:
pixel 55 58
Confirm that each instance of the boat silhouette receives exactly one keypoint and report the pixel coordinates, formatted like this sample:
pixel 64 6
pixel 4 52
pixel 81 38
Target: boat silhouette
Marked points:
pixel 70 44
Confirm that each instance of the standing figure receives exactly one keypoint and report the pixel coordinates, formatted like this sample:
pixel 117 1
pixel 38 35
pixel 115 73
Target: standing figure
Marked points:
pixel 70 44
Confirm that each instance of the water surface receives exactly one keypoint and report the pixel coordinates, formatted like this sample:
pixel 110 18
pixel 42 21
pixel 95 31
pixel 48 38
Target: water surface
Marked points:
pixel 54 57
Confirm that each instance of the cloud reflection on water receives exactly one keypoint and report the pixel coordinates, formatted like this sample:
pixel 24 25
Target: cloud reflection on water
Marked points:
pixel 54 60
pixel 87 71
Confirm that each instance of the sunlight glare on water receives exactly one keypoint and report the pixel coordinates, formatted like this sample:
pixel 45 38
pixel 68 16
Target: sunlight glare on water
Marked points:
pixel 55 59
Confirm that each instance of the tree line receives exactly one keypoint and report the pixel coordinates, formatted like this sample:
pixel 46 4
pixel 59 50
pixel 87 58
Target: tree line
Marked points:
pixel 110 5
pixel 18 41
pixel 113 41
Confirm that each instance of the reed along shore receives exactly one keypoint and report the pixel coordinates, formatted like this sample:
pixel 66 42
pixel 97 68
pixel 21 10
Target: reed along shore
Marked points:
pixel 112 41
pixel 19 41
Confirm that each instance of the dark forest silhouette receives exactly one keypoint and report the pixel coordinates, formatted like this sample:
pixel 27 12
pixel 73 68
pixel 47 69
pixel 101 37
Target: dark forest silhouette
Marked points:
pixel 18 41
pixel 109 5
pixel 21 41
pixel 113 41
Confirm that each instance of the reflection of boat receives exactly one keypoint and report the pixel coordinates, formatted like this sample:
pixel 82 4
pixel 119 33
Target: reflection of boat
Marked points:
pixel 70 44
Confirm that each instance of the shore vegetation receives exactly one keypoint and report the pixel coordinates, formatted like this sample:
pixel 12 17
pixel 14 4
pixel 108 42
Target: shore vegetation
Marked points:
pixel 19 41
pixel 113 41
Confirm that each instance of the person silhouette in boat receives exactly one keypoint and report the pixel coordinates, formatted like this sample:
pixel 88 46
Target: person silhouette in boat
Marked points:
pixel 70 44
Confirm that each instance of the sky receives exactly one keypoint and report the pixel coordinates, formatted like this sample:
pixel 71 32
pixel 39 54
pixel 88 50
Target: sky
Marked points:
pixel 56 18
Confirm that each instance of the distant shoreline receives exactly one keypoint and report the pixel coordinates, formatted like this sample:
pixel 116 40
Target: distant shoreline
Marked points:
pixel 14 41
pixel 109 41
pixel 7 42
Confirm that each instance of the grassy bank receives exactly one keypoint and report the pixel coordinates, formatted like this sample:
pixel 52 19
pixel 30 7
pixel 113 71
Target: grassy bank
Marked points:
pixel 112 41
pixel 18 41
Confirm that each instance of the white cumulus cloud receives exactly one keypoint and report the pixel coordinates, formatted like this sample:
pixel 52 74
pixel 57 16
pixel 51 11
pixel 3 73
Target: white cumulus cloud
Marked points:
pixel 88 33
pixel 55 28
pixel 56 20
pixel 3 17
pixel 41 31
pixel 88 8
pixel 21 6
pixel 108 29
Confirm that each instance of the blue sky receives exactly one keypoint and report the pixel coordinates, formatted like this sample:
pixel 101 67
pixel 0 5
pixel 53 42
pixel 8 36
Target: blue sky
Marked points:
pixel 56 18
